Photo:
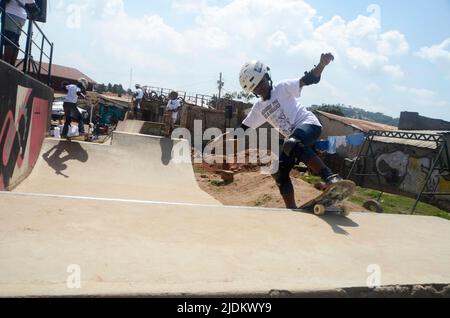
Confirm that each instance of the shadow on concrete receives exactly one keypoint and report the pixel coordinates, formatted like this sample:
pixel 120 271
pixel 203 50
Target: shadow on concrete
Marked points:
pixel 62 152
pixel 166 145
pixel 336 222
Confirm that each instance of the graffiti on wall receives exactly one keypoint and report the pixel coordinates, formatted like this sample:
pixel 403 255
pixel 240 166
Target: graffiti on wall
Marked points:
pixel 408 173
pixel 22 130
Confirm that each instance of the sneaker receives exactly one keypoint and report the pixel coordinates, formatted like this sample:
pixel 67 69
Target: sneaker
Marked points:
pixel 321 186
pixel 334 178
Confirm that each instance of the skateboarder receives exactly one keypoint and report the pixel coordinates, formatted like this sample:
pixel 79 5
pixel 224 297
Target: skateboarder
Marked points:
pixel 172 108
pixel 70 105
pixel 300 127
pixel 137 99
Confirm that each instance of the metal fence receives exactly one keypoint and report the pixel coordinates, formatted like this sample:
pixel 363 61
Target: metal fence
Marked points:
pixel 30 65
pixel 202 100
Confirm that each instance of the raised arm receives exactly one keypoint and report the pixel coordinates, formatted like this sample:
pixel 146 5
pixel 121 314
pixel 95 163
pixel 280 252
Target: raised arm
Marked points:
pixel 314 76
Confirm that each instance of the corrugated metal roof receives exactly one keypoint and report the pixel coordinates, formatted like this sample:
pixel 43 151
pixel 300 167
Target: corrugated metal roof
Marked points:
pixel 431 132
pixel 366 126
pixel 362 125
pixel 411 142
pixel 65 72
pixel 414 143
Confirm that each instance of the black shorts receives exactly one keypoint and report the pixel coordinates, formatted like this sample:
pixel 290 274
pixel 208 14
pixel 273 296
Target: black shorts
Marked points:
pixel 13 29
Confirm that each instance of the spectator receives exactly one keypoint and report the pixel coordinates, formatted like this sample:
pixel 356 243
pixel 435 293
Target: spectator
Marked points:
pixel 17 12
pixel 70 106
pixel 137 96
pixel 172 108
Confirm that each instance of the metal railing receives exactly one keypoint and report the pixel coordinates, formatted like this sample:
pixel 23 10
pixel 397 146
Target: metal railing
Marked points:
pixel 440 160
pixel 29 65
pixel 192 98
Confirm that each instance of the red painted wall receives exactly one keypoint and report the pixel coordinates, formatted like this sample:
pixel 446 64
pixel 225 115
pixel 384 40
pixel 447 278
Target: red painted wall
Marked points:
pixel 25 105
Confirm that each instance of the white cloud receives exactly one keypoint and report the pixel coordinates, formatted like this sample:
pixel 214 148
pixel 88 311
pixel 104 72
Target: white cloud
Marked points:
pixel 436 53
pixel 113 8
pixel 393 71
pixel 372 87
pixel 256 19
pixel 311 49
pixel 416 92
pixel 249 29
pixel 435 104
pixel 333 32
pixel 392 43
pixel 367 59
pixel 289 35
pixel 211 37
pixel 278 39
pixel 189 6
pixel 332 90
pixel 363 28
pixel 359 41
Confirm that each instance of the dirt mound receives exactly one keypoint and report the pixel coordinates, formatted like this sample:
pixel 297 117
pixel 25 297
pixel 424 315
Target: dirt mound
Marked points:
pixel 251 188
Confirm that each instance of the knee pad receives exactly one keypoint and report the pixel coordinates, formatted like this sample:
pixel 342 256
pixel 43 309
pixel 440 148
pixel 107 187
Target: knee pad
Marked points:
pixel 293 148
pixel 283 182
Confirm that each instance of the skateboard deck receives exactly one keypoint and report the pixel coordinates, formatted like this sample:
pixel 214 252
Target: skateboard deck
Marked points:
pixel 84 137
pixel 332 199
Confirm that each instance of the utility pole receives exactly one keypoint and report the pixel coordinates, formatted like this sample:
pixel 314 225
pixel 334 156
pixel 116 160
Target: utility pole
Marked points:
pixel 131 78
pixel 221 84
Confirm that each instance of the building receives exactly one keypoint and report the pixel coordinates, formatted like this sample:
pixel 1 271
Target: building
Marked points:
pixel 334 125
pixel 62 74
pixel 403 159
pixel 413 121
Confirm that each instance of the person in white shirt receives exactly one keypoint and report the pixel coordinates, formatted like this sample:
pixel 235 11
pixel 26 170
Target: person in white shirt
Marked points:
pixel 172 108
pixel 301 128
pixel 137 99
pixel 14 21
pixel 70 106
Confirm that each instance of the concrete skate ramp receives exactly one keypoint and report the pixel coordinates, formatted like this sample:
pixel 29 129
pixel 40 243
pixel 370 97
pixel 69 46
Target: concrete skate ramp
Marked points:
pixel 130 126
pixel 126 248
pixel 126 219
pixel 134 166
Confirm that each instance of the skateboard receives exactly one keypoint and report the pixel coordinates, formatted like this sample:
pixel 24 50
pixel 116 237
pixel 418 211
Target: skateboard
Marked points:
pixel 332 199
pixel 83 137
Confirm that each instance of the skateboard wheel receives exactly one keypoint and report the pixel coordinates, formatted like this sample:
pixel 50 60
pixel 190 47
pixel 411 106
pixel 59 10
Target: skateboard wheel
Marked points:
pixel 345 210
pixel 319 209
pixel 373 205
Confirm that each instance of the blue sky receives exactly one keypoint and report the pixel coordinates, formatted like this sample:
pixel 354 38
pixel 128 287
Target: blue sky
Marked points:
pixel 391 56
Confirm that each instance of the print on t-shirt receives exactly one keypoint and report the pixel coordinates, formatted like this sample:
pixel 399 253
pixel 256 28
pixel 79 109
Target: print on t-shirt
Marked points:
pixel 280 119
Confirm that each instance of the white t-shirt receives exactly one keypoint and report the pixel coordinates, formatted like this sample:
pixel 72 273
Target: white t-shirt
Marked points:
pixel 19 11
pixel 72 91
pixel 173 104
pixel 282 111
pixel 139 93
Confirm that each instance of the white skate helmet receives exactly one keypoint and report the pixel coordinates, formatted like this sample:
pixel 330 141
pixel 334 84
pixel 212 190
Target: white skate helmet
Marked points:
pixel 83 82
pixel 251 74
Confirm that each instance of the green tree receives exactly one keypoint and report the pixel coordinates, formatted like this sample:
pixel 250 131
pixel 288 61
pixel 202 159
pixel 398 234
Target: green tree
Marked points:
pixel 230 96
pixel 100 88
pixel 331 109
pixel 246 96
